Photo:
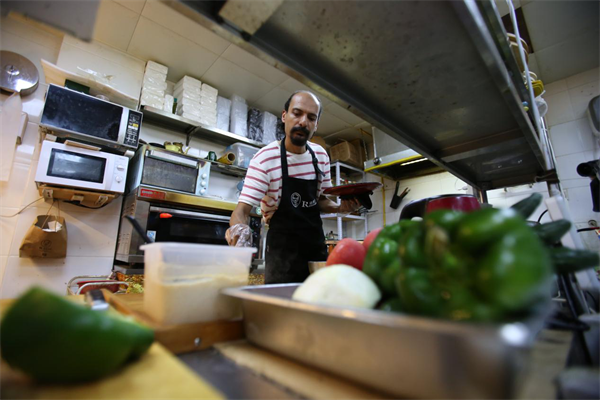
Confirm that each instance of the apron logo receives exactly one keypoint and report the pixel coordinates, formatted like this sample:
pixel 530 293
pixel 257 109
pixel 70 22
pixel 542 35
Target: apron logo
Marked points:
pixel 296 199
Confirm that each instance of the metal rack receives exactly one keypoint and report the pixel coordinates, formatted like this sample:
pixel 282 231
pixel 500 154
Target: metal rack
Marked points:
pixel 340 167
pixel 193 128
pixel 448 90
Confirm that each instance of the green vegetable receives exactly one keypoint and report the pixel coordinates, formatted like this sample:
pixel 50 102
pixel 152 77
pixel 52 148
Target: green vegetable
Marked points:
pixel 552 232
pixel 394 305
pixel 568 260
pixel 383 252
pixel 515 272
pixel 53 339
pixel 446 219
pixel 418 292
pixel 527 206
pixel 479 229
pixel 484 266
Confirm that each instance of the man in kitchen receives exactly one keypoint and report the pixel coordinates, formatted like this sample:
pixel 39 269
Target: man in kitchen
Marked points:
pixel 287 178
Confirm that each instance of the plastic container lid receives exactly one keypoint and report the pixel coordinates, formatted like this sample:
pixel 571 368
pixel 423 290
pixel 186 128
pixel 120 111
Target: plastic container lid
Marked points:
pixel 171 260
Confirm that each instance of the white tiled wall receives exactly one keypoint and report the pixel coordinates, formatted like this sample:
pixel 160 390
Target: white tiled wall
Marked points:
pixel 425 186
pixel 91 234
pixel 573 143
pixel 382 214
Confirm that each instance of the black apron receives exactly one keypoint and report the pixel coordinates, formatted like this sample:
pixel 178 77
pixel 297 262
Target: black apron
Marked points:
pixel 295 231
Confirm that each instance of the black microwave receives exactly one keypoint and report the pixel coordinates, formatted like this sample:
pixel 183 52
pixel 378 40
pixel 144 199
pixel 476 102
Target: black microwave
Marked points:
pixel 75 115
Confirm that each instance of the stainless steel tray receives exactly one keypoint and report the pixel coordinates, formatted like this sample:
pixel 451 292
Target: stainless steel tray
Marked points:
pixel 401 355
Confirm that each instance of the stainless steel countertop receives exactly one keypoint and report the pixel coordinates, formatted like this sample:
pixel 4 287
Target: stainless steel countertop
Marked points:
pixel 234 381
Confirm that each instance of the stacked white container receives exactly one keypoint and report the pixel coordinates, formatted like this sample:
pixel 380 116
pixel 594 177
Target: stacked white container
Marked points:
pixel 154 85
pixel 208 105
pixel 187 92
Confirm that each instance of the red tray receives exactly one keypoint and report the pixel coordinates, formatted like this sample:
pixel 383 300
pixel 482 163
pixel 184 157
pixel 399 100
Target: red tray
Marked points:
pixel 352 189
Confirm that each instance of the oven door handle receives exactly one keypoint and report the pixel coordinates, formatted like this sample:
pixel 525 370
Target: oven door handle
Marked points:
pixel 190 214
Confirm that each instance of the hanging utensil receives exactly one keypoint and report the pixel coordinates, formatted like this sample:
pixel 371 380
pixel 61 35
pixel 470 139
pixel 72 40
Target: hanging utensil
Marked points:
pixel 17 74
pixel 397 199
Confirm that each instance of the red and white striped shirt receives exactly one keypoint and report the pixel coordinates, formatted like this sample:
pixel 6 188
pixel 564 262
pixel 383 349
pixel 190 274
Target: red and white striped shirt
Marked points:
pixel 264 173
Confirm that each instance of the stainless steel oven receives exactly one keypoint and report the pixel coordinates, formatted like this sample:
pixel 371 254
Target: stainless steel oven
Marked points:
pixel 166 222
pixel 164 170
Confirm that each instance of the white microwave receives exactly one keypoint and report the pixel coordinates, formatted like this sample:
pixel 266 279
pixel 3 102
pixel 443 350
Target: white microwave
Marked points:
pixel 73 166
pixel 73 115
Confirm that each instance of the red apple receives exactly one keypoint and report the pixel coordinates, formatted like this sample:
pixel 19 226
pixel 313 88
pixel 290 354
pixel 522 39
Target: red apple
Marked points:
pixel 370 238
pixel 348 252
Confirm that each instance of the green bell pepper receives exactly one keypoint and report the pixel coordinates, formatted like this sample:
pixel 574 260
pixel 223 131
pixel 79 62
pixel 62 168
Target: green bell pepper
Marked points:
pixel 53 339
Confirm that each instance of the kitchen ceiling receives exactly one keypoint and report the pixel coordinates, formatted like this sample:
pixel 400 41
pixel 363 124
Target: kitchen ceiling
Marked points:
pixel 564 33
pixel 150 30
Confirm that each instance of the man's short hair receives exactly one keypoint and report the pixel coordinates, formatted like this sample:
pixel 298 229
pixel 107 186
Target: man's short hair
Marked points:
pixel 287 103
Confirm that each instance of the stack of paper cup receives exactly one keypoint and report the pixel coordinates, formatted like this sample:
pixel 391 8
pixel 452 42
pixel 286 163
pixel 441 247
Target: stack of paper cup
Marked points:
pixel 154 85
pixel 208 105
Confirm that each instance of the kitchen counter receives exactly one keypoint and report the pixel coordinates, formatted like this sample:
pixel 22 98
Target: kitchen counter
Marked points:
pixel 241 370
pixel 238 369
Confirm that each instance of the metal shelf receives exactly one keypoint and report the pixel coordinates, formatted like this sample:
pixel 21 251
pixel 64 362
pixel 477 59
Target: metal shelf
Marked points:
pixel 228 169
pixel 344 218
pixel 446 91
pixel 187 126
pixel 348 169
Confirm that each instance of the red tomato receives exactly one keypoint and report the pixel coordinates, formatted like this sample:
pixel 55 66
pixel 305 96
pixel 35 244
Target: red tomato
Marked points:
pixel 349 252
pixel 370 238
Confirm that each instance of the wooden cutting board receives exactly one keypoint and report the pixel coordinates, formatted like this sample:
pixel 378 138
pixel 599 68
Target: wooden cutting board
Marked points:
pixel 158 374
pixel 181 338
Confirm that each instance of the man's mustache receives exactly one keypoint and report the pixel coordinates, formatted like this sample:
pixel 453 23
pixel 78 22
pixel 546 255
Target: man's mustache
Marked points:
pixel 300 129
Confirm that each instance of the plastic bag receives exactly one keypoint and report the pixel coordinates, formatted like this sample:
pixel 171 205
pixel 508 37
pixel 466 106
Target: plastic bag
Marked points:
pixel 239 116
pixel 239 235
pixel 96 76
pixel 269 127
pixel 223 113
pixel 153 83
pixel 280 132
pixel 154 66
pixel 168 105
pixel 255 131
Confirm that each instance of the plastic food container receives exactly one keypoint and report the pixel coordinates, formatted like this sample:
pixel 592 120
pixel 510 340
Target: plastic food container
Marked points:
pixel 243 154
pixel 183 281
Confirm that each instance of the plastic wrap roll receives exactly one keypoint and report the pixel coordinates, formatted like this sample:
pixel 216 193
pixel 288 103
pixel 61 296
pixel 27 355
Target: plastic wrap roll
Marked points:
pixel 227 158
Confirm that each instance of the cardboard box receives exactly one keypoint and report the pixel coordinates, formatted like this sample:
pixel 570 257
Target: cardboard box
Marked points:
pixel 319 140
pixel 345 152
pixel 362 151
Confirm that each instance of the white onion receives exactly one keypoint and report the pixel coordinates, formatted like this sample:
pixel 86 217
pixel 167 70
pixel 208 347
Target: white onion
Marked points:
pixel 339 285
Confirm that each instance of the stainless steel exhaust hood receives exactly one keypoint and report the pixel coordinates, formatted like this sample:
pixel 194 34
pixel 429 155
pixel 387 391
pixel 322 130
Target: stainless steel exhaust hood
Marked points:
pixel 438 76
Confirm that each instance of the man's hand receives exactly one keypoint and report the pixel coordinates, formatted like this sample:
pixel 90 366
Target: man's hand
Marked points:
pixel 349 206
pixel 239 235
pixel 268 206
pixel 345 207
